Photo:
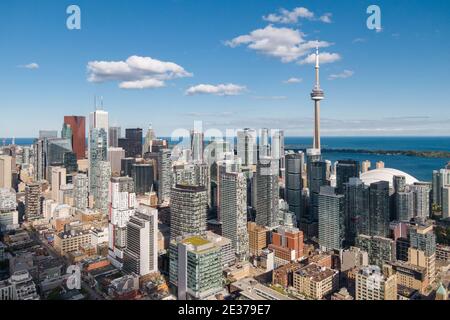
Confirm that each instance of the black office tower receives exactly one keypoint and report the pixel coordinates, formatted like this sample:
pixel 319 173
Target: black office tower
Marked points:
pixel 345 169
pixel 379 209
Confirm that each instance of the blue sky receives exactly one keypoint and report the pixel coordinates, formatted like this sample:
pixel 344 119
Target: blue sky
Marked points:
pixel 393 82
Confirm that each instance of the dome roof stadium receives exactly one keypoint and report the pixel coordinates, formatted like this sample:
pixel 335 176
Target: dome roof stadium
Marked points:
pixel 386 174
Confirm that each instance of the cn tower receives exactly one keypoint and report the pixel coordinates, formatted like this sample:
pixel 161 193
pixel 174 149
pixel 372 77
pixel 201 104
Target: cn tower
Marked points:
pixel 317 95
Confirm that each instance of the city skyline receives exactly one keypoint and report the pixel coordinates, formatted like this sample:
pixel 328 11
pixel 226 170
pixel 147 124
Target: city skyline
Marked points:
pixel 224 76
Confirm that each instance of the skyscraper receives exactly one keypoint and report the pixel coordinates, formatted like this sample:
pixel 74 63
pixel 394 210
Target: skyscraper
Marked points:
pixel 132 143
pixel 379 209
pixel 356 209
pixel 164 175
pixel 115 156
pixel 317 95
pixel 247 146
pixel 141 254
pixel 97 153
pixel 5 171
pixel 188 210
pixel 317 177
pixel 142 174
pixel 233 210
pixel 33 201
pixel 114 133
pixel 294 182
pixel 197 145
pixel 122 201
pixel 81 191
pixel 264 146
pixel 78 127
pixel 149 137
pixel 102 176
pixel 267 190
pixel 331 218
pixel 277 148
pixel 58 180
pixel 422 192
pixel 345 169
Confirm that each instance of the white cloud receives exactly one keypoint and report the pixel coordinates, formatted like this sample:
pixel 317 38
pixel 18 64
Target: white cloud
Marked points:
pixel 31 66
pixel 325 57
pixel 293 80
pixel 286 16
pixel 284 43
pixel 326 18
pixel 218 90
pixel 343 75
pixel 136 72
pixel 142 84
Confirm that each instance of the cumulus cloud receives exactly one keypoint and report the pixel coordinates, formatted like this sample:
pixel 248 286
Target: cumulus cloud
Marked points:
pixel 325 57
pixel 293 80
pixel 326 18
pixel 136 72
pixel 218 90
pixel 343 75
pixel 284 43
pixel 286 16
pixel 30 66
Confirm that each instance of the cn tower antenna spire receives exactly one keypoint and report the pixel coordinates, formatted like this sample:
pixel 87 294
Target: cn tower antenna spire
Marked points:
pixel 317 95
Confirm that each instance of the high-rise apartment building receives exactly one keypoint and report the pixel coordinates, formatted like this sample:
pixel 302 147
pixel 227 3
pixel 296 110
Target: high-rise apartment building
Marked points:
pixel 331 218
pixel 81 191
pixel 188 209
pixel 141 253
pixel 97 154
pixel 422 250
pixel 379 214
pixel 267 190
pixel 345 169
pixel 122 202
pixel 356 209
pixel 164 175
pixel 233 211
pixel 33 201
pixel 101 191
pixel 294 183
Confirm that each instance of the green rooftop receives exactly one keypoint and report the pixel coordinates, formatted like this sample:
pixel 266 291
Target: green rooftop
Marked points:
pixel 196 241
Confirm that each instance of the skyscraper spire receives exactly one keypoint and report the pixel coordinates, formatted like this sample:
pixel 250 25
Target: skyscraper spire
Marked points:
pixel 317 95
